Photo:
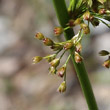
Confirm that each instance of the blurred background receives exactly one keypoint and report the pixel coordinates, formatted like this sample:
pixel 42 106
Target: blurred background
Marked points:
pixel 24 86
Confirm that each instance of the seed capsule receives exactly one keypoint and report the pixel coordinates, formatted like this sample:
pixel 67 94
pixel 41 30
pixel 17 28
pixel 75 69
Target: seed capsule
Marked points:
pixel 78 47
pixel 77 21
pixel 107 63
pixel 36 59
pixel 61 71
pixel 52 70
pixel 78 58
pixel 48 42
pixel 58 31
pixel 86 15
pixel 85 28
pixel 55 62
pixel 68 45
pixel 62 87
pixel 39 36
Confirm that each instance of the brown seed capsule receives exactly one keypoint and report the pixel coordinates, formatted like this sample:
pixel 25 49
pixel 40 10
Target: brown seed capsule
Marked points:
pixel 58 31
pixel 78 47
pixel 107 63
pixel 36 59
pixel 85 28
pixel 78 58
pixel 39 36
pixel 48 42
pixel 61 71
pixel 68 45
pixel 102 11
pixel 62 87
pixel 55 62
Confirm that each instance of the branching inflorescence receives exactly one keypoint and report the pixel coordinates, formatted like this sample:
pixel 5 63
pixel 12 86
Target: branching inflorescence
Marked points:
pixel 82 13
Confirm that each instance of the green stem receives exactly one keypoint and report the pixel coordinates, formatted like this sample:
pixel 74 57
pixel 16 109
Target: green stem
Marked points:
pixel 63 18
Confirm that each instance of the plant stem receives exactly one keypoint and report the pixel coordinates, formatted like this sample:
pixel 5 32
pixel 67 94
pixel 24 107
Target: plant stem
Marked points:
pixel 63 18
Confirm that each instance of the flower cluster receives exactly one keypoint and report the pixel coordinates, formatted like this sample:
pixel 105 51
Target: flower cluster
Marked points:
pixel 107 62
pixel 58 47
pixel 92 11
pixel 82 14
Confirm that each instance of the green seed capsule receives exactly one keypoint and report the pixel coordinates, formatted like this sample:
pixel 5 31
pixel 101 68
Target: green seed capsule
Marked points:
pixel 61 71
pixel 77 21
pixel 107 63
pixel 78 58
pixel 62 87
pixel 79 47
pixel 85 28
pixel 68 45
pixel 39 36
pixel 55 62
pixel 36 59
pixel 86 15
pixel 48 42
pixel 52 70
pixel 58 31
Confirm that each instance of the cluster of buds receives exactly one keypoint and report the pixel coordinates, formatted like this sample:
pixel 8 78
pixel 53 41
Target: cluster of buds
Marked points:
pixel 97 10
pixel 58 47
pixel 107 62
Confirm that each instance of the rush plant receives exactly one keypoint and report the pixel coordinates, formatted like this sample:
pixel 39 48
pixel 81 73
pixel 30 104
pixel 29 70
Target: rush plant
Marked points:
pixel 80 13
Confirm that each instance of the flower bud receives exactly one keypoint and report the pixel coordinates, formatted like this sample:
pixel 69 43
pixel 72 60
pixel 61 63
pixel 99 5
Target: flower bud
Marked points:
pixel 52 70
pixel 62 87
pixel 39 36
pixel 58 31
pixel 55 62
pixel 68 45
pixel 85 28
pixel 78 47
pixel 86 15
pixel 49 58
pixel 48 42
pixel 77 21
pixel 61 71
pixel 78 58
pixel 36 59
pixel 102 11
pixel 107 63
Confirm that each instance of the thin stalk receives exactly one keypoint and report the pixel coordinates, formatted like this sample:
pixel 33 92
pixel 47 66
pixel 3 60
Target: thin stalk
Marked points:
pixel 63 18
